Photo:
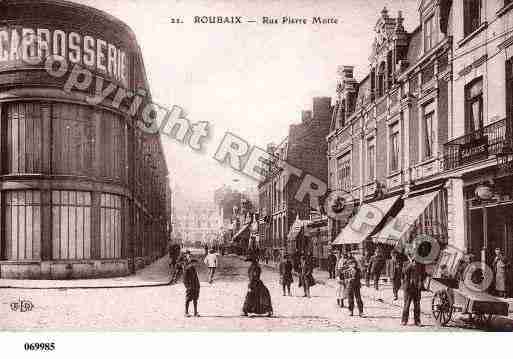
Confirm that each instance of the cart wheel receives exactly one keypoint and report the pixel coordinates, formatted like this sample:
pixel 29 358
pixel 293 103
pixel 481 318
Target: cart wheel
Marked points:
pixel 441 308
pixel 483 320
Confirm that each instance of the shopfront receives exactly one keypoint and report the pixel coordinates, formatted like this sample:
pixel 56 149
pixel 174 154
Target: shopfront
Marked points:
pixel 490 221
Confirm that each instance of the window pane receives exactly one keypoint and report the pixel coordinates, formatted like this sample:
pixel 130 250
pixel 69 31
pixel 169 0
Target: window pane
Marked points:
pixel 71 222
pixel 23 225
pixel 110 226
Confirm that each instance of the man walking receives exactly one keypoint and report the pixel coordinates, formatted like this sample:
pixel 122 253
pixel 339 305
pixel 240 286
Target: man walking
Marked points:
pixel 332 263
pixel 211 262
pixel 192 285
pixel 412 286
pixel 353 287
pixel 396 272
pixel 377 263
pixel 306 277
pixel 286 278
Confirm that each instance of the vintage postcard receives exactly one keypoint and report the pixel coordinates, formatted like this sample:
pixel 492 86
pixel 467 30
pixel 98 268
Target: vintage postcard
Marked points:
pixel 297 165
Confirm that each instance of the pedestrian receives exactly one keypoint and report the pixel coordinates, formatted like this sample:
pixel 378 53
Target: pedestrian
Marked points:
pixel 286 277
pixel 192 284
pixel 342 287
pixel 332 263
pixel 306 279
pixel 413 274
pixel 499 270
pixel 258 298
pixel 353 288
pixel 211 262
pixel 396 272
pixel 205 247
pixel 365 267
pixel 340 263
pixel 377 263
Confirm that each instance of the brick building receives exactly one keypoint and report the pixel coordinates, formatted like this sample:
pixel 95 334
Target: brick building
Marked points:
pixel 304 148
pixel 387 134
pixel 83 190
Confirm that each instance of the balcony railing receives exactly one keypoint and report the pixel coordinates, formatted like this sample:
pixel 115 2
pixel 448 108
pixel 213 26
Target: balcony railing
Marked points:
pixel 475 146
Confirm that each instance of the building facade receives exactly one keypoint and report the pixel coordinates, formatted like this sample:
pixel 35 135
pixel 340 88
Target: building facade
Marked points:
pixel 304 148
pixel 83 189
pixel 478 151
pixel 385 147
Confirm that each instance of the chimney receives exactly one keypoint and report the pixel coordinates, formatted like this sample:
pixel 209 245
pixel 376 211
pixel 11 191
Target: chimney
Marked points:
pixel 306 116
pixel 322 108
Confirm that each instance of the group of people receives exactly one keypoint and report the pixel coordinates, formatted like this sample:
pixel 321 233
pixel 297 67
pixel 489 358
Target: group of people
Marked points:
pixel 346 269
pixel 350 272
pixel 304 271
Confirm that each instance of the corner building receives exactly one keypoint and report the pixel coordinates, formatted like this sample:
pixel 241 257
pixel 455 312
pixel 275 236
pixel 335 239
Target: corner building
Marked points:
pixel 83 189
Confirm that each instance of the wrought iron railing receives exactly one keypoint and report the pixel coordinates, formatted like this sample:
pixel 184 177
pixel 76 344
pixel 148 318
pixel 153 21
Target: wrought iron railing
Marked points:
pixel 475 146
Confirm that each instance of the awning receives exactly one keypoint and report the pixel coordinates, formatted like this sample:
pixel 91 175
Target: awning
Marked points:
pixel 294 232
pixel 365 221
pixel 296 228
pixel 240 232
pixel 424 213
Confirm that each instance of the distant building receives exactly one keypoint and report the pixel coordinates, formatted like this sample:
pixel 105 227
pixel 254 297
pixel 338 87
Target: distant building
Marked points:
pixel 195 220
pixel 304 148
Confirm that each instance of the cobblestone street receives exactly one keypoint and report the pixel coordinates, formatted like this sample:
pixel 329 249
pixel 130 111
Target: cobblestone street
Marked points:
pixel 161 307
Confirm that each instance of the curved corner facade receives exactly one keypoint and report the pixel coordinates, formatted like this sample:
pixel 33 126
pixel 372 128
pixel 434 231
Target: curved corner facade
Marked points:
pixel 84 192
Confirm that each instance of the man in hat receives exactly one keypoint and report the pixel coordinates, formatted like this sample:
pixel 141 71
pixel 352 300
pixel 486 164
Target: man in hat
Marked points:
pixel 191 283
pixel 413 274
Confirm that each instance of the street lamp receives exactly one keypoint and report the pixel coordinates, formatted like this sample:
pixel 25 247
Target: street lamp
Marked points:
pixel 484 193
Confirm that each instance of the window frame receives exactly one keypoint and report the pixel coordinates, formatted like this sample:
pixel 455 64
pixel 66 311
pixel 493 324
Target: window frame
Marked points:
pixel 428 113
pixel 371 163
pixel 470 100
pixel 394 156
pixel 469 28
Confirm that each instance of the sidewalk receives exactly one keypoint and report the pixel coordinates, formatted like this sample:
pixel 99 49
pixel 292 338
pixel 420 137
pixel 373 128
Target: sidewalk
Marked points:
pixel 155 274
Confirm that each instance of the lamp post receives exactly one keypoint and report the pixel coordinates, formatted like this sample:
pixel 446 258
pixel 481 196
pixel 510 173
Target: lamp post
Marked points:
pixel 484 192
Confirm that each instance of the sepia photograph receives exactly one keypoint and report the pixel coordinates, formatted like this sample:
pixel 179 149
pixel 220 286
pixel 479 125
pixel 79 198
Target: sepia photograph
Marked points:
pixel 256 166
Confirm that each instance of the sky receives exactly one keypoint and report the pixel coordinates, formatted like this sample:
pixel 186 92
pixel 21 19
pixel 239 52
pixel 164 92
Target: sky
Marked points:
pixel 250 79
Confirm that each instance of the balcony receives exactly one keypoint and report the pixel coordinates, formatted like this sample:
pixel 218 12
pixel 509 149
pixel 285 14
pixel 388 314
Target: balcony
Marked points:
pixel 475 146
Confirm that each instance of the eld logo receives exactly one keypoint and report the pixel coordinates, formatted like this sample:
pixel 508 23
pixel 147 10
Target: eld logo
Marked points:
pixel 22 306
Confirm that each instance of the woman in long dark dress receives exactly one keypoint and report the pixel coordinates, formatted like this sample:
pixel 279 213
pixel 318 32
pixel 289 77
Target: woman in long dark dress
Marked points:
pixel 258 298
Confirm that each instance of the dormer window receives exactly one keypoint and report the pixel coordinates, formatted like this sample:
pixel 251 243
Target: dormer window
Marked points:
pixel 472 12
pixel 430 34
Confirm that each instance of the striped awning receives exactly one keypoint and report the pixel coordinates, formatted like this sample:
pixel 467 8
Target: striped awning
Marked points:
pixel 365 221
pixel 423 214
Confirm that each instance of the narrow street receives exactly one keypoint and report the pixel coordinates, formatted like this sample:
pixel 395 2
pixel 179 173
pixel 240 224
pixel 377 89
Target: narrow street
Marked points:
pixel 161 307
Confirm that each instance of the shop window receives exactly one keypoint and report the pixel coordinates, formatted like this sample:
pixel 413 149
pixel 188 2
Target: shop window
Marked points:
pixel 394 148
pixel 474 106
pixel 71 224
pixel 472 13
pixel 25 137
pixel 110 227
pixel 428 116
pixel 73 139
pixel 23 225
